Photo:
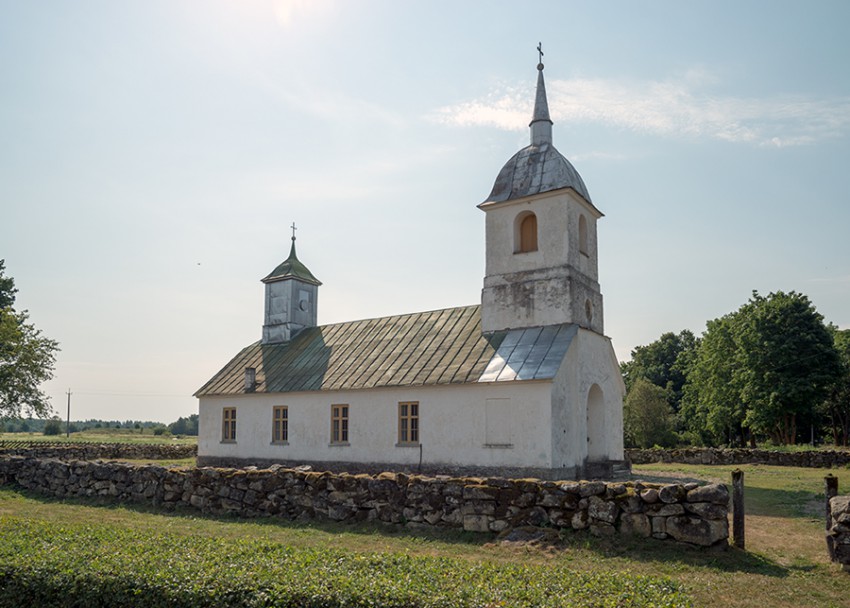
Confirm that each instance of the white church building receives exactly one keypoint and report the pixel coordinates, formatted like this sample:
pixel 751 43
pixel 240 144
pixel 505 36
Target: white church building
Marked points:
pixel 524 384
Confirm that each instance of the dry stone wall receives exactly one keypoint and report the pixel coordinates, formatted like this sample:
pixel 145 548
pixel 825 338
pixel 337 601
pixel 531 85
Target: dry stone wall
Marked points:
pixel 839 529
pixel 688 513
pixel 811 458
pixel 95 451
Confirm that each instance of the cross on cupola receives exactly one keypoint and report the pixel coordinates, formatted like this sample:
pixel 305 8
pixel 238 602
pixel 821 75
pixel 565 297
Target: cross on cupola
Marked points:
pixel 541 124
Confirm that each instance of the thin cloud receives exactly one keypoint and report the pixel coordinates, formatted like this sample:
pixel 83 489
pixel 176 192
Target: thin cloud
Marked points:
pixel 671 108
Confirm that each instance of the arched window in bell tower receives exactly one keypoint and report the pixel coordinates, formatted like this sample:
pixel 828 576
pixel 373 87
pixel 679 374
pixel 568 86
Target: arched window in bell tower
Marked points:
pixel 582 235
pixel 526 232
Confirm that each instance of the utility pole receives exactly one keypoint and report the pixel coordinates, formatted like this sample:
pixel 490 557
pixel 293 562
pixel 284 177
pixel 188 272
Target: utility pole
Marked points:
pixel 68 423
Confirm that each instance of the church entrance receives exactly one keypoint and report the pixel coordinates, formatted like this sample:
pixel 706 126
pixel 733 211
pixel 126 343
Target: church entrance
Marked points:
pixel 596 448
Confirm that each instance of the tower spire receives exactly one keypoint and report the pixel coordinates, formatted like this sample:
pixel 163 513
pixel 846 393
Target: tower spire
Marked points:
pixel 541 124
pixel 292 255
pixel 292 268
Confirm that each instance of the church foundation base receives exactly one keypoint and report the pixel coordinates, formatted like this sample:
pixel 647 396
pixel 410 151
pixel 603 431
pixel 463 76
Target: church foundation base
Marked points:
pixel 605 469
pixel 602 470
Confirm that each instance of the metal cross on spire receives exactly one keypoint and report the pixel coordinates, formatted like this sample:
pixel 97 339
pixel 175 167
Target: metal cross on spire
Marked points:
pixel 293 230
pixel 540 50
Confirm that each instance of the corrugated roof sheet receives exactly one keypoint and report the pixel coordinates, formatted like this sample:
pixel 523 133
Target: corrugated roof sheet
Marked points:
pixel 436 347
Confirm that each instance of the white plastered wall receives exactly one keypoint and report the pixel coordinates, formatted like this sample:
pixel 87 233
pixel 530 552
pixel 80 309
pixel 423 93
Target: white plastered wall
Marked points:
pixel 557 226
pixel 452 426
pixel 589 361
pixel 556 284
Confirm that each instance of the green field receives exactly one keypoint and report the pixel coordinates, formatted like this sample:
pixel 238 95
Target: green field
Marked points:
pixel 103 436
pixel 142 557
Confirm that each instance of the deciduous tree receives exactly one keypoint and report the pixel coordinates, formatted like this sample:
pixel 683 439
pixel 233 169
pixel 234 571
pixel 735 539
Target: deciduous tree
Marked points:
pixel 764 367
pixel 664 363
pixel 53 427
pixel 712 407
pixel 789 363
pixel 27 358
pixel 836 408
pixel 184 426
pixel 647 416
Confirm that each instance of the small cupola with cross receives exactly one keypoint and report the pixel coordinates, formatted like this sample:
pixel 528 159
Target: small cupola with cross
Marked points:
pixel 291 302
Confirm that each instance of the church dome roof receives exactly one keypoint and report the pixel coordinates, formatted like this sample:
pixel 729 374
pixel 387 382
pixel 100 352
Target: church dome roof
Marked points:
pixel 536 169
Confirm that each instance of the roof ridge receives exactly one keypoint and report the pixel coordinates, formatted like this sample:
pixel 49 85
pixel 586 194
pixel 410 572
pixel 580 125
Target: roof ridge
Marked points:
pixel 399 316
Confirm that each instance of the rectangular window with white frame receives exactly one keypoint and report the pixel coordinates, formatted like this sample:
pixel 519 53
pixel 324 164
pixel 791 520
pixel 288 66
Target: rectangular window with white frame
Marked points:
pixel 408 423
pixel 339 424
pixel 228 424
pixel 280 424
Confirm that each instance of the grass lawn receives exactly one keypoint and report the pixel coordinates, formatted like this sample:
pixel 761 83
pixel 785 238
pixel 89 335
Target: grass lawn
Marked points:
pixel 103 436
pixel 785 563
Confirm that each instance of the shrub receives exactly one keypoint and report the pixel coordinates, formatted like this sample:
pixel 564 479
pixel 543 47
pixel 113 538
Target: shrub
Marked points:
pixel 53 427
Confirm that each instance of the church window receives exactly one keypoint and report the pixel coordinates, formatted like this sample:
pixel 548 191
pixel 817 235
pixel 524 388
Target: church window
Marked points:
pixel 280 424
pixel 408 423
pixel 228 424
pixel 526 233
pixel 582 235
pixel 339 423
pixel 588 311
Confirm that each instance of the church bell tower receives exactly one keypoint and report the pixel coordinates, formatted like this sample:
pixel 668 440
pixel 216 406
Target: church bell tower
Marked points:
pixel 541 247
pixel 291 302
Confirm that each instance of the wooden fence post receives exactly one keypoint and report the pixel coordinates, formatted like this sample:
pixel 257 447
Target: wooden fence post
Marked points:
pixel 830 491
pixel 738 508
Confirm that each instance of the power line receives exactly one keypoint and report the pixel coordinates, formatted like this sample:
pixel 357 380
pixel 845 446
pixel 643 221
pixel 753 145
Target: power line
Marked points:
pixel 110 394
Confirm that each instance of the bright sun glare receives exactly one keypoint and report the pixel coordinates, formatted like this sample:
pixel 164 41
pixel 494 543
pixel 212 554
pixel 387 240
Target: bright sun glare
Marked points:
pixel 288 11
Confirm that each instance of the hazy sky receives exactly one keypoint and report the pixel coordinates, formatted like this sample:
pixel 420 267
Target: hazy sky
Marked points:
pixel 153 154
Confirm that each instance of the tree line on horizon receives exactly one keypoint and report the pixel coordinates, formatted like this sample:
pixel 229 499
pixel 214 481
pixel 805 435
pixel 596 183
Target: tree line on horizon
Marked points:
pixel 772 371
pixel 55 426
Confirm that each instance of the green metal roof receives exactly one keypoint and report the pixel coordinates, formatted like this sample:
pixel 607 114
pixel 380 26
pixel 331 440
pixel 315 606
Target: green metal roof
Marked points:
pixel 428 348
pixel 292 268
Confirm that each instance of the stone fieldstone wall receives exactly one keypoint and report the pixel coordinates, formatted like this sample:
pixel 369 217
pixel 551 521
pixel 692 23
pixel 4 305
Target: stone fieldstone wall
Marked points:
pixel 839 529
pixel 602 470
pixel 688 513
pixel 824 459
pixel 95 451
